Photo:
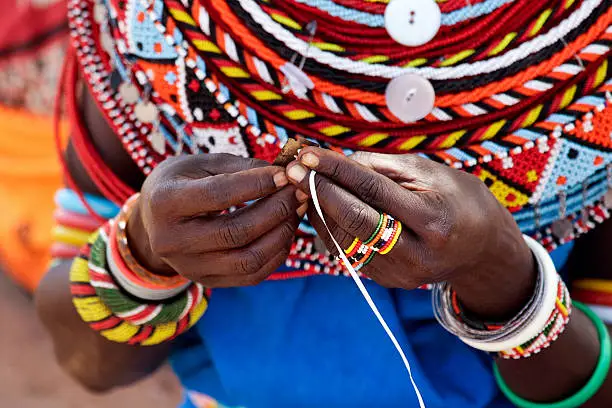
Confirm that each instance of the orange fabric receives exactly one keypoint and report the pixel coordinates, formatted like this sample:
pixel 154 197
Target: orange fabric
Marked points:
pixel 29 175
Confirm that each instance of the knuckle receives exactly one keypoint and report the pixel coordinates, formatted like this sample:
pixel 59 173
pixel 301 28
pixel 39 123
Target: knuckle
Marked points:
pixel 162 245
pixel 215 195
pixel 160 197
pixel 442 224
pixel 335 169
pixel 355 217
pixel 370 189
pixel 252 262
pixel 287 232
pixel 283 209
pixel 230 234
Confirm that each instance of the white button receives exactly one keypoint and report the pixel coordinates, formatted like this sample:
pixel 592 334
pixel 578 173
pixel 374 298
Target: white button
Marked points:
pixel 410 97
pixel 412 22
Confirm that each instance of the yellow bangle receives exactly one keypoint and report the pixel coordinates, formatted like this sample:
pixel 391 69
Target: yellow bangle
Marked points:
pixel 71 236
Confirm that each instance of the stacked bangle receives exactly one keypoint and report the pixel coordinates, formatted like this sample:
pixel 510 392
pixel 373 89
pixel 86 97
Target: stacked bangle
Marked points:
pixel 117 320
pixel 596 294
pixel 592 386
pixel 126 306
pixel 123 248
pixel 73 224
pixel 534 328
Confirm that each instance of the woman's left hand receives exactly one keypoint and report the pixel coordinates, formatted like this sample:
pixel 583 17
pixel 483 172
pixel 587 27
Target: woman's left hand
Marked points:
pixel 454 229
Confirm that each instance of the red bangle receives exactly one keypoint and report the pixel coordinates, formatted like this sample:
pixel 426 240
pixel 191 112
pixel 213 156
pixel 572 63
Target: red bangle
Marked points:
pixel 59 250
pixel 592 297
pixel 74 220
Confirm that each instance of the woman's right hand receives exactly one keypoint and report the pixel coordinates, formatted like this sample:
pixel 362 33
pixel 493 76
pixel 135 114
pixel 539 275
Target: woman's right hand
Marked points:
pixel 176 226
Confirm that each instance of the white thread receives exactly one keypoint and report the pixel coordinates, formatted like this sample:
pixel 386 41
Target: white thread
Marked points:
pixel 362 289
pixel 459 71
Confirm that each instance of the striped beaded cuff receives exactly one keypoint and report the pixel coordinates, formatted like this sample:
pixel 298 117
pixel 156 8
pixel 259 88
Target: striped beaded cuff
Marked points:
pixel 597 295
pixel 118 315
pixel 533 329
pixel 554 327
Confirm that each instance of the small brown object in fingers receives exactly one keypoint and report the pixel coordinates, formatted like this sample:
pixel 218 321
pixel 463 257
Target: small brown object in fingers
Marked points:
pixel 290 150
pixel 288 153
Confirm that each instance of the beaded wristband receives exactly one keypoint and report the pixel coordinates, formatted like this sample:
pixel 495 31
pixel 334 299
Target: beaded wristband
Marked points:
pixel 101 318
pixel 532 329
pixel 592 386
pixel 126 307
pixel 553 328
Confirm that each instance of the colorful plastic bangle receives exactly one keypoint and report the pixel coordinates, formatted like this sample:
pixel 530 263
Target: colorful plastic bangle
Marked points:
pixel 100 318
pixel 592 386
pixel 119 235
pixel 60 250
pixel 69 200
pixel 137 312
pixel 74 220
pixel 70 236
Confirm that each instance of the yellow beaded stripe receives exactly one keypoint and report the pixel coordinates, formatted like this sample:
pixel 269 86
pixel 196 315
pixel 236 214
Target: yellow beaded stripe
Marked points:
pixel 394 240
pixel 92 310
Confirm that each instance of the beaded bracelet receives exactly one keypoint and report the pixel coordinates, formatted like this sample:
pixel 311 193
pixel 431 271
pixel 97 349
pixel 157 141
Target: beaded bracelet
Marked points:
pixel 591 387
pixel 94 311
pixel 383 239
pixel 125 306
pixel 534 328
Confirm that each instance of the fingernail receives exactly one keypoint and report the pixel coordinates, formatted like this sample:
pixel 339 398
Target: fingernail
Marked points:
pixel 280 179
pixel 310 159
pixel 302 210
pixel 301 196
pixel 297 173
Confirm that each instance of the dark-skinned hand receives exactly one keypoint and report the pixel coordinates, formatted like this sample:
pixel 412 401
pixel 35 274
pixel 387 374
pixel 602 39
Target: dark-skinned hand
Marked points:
pixel 177 226
pixel 454 228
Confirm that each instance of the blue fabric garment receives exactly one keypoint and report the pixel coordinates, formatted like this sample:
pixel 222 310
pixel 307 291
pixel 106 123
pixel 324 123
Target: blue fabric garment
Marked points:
pixel 314 342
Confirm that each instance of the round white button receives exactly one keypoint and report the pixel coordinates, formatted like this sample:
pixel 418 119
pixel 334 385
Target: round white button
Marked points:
pixel 412 22
pixel 410 97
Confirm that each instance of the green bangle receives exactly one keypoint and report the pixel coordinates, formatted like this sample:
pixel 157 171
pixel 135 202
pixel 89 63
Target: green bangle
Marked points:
pixel 591 387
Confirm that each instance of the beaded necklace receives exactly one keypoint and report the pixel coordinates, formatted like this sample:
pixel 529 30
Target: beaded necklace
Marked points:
pixel 527 109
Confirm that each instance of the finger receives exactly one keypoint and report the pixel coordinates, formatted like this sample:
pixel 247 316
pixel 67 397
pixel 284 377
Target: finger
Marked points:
pixel 244 263
pixel 413 208
pixel 210 164
pixel 354 216
pixel 240 228
pixel 224 281
pixel 197 197
pixel 341 236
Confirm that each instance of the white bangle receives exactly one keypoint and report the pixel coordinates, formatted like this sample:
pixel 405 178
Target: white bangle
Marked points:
pixel 132 288
pixel 550 279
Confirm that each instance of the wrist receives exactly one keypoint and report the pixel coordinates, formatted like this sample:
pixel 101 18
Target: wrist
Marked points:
pixel 140 246
pixel 499 291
